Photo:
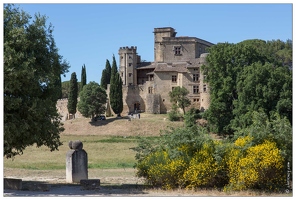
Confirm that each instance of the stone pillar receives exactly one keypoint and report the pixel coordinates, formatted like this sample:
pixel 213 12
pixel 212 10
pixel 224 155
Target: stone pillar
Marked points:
pixel 76 163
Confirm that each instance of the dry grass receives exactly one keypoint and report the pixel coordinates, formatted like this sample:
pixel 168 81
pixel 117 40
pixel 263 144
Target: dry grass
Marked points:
pixel 148 125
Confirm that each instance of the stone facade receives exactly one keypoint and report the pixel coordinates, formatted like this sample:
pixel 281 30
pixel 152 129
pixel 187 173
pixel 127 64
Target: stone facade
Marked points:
pixel 177 62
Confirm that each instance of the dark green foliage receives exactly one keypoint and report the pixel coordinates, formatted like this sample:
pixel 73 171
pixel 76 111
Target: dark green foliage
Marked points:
pixel 174 115
pixel 104 79
pixel 116 101
pixel 179 97
pixel 66 88
pixel 190 117
pixel 32 70
pixel 106 73
pixel 116 95
pixel 73 94
pixel 93 100
pixel 247 76
pixel 83 77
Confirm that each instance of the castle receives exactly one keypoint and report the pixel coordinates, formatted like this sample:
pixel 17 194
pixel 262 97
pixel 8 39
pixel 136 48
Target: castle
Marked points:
pixel 177 62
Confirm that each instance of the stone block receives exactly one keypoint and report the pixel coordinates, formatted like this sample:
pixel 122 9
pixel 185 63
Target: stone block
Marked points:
pixel 12 184
pixel 90 184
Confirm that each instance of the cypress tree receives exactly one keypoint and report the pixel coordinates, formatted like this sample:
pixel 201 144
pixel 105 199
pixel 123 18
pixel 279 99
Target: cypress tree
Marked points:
pixel 104 79
pixel 115 89
pixel 73 94
pixel 108 71
pixel 83 76
pixel 116 95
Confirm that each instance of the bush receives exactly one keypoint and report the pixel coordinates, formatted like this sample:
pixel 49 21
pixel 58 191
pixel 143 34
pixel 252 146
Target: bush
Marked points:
pixel 257 167
pixel 203 168
pixel 161 171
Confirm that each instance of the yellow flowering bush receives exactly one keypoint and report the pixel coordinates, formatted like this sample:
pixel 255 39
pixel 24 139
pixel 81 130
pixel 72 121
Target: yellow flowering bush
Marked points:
pixel 203 168
pixel 260 167
pixel 163 171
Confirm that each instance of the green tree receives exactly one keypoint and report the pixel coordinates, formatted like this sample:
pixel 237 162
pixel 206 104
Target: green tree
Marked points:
pixel 32 67
pixel 179 97
pixel 73 94
pixel 225 71
pixel 104 79
pixel 116 95
pixel 83 77
pixel 108 70
pixel 263 87
pixel 93 99
pixel 116 101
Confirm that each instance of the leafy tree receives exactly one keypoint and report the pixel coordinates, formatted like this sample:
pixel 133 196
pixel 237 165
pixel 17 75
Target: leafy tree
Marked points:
pixel 93 99
pixel 226 68
pixel 83 77
pixel 73 94
pixel 32 69
pixel 179 97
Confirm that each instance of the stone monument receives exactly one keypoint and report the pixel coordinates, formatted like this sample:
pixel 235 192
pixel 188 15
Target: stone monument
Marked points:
pixel 76 163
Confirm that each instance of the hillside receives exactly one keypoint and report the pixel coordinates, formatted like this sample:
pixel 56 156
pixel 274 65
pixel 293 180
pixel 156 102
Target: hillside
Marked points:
pixel 147 125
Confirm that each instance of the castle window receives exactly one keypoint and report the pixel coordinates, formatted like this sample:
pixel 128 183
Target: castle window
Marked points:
pixel 195 89
pixel 204 88
pixel 150 90
pixel 177 50
pixel 130 57
pixel 130 74
pixel 174 78
pixel 130 64
pixel 195 77
pixel 195 100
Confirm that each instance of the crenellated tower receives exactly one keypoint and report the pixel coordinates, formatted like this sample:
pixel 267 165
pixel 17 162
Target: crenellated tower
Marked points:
pixel 128 64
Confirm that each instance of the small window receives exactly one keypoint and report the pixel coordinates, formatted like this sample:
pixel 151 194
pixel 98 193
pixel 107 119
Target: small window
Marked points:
pixel 177 50
pixel 130 57
pixel 130 64
pixel 204 88
pixel 150 90
pixel 195 89
pixel 130 74
pixel 195 77
pixel 174 78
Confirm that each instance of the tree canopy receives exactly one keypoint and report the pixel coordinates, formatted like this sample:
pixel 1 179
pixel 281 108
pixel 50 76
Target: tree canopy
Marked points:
pixel 93 99
pixel 32 69
pixel 246 76
pixel 179 97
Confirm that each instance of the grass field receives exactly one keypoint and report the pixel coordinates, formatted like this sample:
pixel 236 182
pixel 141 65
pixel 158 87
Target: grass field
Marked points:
pixel 108 143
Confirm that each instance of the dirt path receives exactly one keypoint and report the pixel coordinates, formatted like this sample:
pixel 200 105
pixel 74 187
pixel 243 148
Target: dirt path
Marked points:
pixel 114 182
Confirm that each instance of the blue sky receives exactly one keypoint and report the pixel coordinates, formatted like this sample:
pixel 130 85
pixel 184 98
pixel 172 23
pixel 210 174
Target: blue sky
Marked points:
pixel 91 33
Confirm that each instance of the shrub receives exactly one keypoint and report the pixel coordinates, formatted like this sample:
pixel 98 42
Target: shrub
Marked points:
pixel 174 115
pixel 257 167
pixel 203 168
pixel 161 171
